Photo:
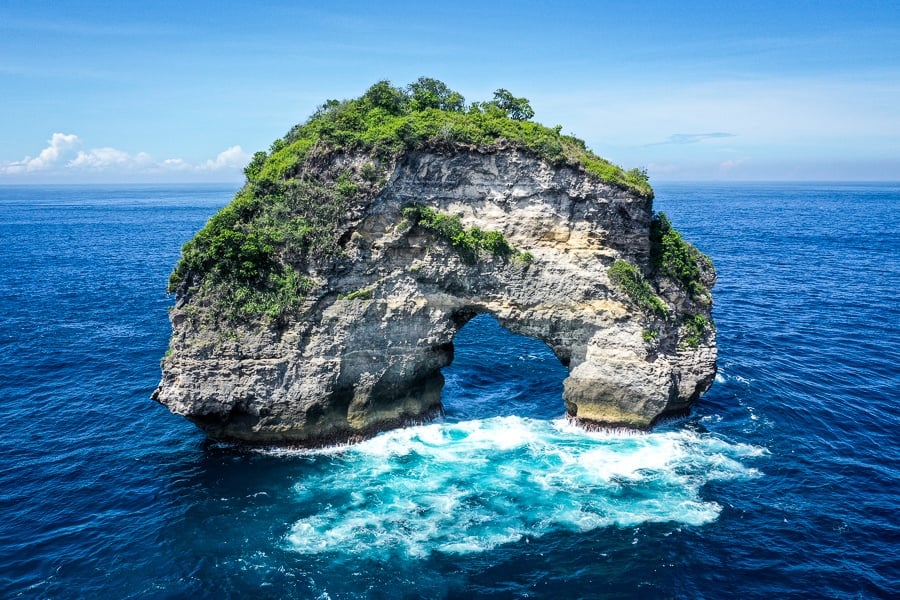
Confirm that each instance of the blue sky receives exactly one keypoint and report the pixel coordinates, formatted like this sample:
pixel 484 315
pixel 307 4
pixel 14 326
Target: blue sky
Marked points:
pixel 187 91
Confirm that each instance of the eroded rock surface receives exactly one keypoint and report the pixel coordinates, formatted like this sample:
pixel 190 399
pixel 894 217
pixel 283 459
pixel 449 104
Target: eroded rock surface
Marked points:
pixel 366 351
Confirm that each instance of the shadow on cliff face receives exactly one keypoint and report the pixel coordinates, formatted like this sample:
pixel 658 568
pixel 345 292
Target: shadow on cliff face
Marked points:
pixel 498 373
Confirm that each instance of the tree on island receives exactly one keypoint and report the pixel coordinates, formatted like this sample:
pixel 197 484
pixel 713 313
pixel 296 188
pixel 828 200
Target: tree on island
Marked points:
pixel 515 108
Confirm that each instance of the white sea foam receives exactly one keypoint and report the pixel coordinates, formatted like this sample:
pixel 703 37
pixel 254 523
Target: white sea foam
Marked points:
pixel 468 487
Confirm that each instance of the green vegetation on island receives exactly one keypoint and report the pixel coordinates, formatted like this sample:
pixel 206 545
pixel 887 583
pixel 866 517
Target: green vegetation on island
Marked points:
pixel 428 115
pixel 693 329
pixel 469 242
pixel 362 294
pixel 242 262
pixel 251 259
pixel 632 282
pixel 672 257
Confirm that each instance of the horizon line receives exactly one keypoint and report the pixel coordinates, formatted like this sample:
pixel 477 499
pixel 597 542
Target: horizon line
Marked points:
pixel 235 183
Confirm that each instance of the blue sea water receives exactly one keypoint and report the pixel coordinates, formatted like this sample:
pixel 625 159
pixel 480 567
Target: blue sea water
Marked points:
pixel 783 482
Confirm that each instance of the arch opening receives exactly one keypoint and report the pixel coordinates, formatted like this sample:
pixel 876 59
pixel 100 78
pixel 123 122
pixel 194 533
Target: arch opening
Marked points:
pixel 495 372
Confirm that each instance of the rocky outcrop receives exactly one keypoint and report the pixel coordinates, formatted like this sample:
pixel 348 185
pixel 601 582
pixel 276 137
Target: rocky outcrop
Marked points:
pixel 365 352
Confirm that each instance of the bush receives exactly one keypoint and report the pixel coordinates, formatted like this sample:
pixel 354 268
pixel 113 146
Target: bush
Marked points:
pixel 252 170
pixel 693 330
pixel 279 295
pixel 431 93
pixel 673 257
pixel 468 242
pixel 383 95
pixel 515 108
pixel 649 335
pixel 629 279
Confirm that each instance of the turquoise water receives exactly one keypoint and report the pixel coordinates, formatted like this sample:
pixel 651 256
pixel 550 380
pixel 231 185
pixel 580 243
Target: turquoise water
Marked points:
pixel 783 482
pixel 469 487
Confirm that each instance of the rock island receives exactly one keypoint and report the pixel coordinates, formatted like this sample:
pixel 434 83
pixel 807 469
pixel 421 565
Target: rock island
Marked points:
pixel 320 305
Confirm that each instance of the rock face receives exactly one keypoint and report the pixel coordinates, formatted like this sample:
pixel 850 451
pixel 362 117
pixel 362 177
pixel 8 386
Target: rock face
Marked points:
pixel 367 351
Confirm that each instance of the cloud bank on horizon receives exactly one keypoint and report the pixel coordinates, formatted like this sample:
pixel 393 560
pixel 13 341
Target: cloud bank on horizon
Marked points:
pixel 61 159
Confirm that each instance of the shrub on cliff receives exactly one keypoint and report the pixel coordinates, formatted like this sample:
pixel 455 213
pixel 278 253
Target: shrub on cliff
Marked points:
pixel 693 330
pixel 249 259
pixel 629 279
pixel 673 257
pixel 518 109
pixel 469 242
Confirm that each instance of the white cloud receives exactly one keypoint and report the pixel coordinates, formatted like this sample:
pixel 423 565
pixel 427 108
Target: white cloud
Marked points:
pixel 176 164
pixel 730 165
pixel 112 158
pixel 59 145
pixel 108 163
pixel 234 157
pixel 105 158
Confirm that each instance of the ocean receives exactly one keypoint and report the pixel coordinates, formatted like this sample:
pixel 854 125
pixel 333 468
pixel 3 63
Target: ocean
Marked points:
pixel 783 482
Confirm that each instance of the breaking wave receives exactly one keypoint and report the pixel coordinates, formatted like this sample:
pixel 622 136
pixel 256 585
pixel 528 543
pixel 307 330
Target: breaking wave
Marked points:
pixel 467 487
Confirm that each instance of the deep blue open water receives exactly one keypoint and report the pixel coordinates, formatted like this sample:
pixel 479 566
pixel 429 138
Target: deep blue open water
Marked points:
pixel 784 482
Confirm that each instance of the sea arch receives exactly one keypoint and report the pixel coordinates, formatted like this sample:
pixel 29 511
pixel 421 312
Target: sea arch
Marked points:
pixel 495 372
pixel 447 238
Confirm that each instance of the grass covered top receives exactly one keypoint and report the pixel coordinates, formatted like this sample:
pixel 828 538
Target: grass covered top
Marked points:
pixel 427 114
pixel 250 259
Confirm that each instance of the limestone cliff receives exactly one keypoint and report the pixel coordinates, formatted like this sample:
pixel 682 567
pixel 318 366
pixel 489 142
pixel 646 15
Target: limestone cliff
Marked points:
pixel 338 325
